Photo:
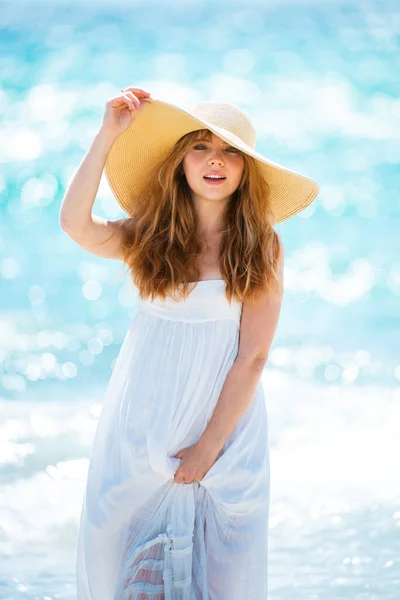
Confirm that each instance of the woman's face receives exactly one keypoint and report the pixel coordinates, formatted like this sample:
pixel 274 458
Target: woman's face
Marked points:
pixel 212 157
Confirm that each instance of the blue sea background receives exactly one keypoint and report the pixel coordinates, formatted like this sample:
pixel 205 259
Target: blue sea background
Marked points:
pixel 320 81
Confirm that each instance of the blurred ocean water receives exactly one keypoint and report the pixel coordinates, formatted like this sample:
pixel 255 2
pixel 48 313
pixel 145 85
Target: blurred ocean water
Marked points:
pixel 320 82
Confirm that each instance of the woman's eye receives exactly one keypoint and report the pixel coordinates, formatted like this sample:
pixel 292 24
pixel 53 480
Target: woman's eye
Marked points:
pixel 198 146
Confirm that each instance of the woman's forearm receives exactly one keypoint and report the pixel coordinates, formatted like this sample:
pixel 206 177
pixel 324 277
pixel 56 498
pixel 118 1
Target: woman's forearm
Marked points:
pixel 236 394
pixel 77 204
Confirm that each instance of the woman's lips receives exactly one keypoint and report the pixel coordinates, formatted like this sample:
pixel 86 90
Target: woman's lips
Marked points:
pixel 214 181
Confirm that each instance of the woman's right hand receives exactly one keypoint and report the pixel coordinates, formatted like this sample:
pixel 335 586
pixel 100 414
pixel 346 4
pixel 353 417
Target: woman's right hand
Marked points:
pixel 122 109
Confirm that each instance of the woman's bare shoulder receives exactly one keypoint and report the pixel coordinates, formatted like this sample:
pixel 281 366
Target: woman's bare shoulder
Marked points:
pixel 102 237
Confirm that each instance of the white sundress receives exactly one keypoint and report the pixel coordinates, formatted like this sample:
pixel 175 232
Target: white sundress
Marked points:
pixel 142 536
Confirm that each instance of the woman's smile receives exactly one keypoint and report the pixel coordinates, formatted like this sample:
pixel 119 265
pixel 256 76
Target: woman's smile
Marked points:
pixel 214 181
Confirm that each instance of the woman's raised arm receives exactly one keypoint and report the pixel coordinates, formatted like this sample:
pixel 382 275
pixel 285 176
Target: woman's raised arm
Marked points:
pixel 95 234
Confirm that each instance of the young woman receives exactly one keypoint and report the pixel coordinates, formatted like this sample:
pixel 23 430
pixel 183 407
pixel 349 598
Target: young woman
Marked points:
pixel 177 498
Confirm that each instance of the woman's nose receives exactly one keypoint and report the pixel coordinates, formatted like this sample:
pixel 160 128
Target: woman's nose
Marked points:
pixel 215 157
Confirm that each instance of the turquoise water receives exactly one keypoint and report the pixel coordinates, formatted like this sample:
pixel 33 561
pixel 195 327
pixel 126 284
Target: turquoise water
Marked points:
pixel 320 82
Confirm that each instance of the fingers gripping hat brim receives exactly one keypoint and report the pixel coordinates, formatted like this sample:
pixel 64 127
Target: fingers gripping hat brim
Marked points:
pixel 152 135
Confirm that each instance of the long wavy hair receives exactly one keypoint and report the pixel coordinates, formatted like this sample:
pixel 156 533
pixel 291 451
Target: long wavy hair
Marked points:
pixel 160 242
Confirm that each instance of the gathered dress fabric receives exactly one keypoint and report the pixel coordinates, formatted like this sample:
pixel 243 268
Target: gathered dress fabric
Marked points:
pixel 142 536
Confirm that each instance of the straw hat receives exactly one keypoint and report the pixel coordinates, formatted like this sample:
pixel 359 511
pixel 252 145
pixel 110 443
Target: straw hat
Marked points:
pixel 154 131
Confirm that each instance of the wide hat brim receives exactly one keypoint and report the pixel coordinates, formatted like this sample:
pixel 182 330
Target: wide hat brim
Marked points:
pixel 152 135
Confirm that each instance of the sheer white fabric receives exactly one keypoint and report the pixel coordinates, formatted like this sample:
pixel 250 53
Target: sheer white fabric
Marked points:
pixel 141 535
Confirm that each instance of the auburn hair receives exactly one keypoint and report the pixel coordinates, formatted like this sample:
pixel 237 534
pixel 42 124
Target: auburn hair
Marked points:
pixel 160 242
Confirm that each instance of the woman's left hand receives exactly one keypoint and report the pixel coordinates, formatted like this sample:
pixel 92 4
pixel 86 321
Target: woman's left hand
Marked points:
pixel 195 462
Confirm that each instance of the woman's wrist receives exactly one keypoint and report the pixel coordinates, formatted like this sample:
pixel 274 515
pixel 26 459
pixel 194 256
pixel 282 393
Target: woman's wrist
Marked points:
pixel 106 136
